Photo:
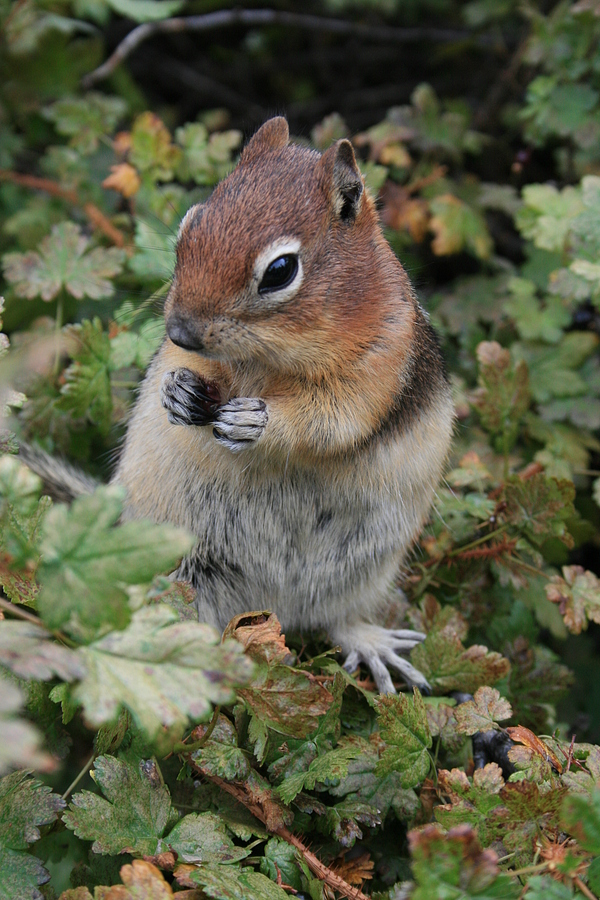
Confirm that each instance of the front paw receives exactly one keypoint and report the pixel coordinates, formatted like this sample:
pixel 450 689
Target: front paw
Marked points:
pixel 188 398
pixel 241 422
pixel 377 648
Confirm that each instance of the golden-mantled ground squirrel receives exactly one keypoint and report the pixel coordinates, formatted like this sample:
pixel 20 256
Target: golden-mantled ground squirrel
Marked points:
pixel 297 417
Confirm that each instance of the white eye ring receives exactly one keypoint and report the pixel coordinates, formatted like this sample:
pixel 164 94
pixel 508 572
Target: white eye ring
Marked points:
pixel 281 247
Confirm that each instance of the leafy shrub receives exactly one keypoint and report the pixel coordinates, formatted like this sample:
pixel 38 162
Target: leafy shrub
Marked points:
pixel 280 772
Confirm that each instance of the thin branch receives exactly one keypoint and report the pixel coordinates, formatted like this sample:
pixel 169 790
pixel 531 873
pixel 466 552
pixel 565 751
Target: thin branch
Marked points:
pixel 20 613
pixel 95 215
pixel 313 862
pixel 252 17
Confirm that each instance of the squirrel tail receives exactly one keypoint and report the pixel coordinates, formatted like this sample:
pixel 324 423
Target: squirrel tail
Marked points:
pixel 61 481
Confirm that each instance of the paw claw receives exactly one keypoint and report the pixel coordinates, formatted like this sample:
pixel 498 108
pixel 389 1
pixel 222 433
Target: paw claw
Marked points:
pixel 240 422
pixel 188 399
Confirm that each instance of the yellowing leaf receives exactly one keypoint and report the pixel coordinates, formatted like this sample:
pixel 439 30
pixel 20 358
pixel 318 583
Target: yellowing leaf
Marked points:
pixel 64 263
pixel 481 713
pixel 458 226
pixel 164 671
pixel 578 596
pixel 124 179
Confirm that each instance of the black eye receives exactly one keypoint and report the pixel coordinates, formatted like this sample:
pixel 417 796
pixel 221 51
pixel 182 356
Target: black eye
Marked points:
pixel 279 273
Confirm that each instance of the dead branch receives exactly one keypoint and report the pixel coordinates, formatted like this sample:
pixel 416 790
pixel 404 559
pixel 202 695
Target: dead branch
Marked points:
pixel 95 215
pixel 318 868
pixel 252 17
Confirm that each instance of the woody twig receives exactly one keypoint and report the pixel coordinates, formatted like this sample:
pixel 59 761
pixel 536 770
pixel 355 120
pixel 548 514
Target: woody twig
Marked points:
pixel 315 865
pixel 253 17
pixel 93 213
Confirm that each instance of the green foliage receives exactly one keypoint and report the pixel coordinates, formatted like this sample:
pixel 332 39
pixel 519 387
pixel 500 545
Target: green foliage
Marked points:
pixel 100 653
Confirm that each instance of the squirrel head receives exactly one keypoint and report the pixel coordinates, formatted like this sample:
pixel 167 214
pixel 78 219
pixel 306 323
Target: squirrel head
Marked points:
pixel 285 263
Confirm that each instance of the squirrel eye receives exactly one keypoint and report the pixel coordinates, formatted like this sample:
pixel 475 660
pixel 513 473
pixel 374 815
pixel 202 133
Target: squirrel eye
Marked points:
pixel 279 273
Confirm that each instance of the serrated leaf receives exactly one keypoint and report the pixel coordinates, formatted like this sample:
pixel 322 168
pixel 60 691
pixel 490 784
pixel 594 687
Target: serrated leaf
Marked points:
pixel 87 392
pixel 164 671
pixel 403 725
pixel 146 10
pixel 231 883
pixel 534 321
pixel 151 150
pixel 64 263
pixel 503 396
pixel 203 838
pixel 539 507
pixel 133 813
pixel 280 860
pixel 578 596
pixel 481 713
pixel 20 744
pixel 458 226
pixel 326 769
pixel 449 666
pixel 87 557
pixel 25 804
pixel 552 369
pixel 221 755
pixel 547 214
pixel 286 700
pixel 30 652
pixel 86 119
pixel 206 158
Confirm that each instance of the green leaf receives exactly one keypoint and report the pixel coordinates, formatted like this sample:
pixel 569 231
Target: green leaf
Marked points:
pixel 326 769
pixel 87 558
pixel 481 713
pixel 231 883
pixel 25 804
pixel 449 666
pixel 20 740
pixel 458 226
pixel 86 119
pixel 64 263
pixel 164 671
pixel 403 725
pixel 206 159
pixel 503 396
pixel 551 369
pixel 532 320
pixel 133 814
pixel 152 151
pixel 547 214
pixel 203 838
pixel 540 507
pixel 543 887
pixel 343 820
pixel 281 859
pixel 87 392
pixel 221 756
pixel 581 815
pixel 146 10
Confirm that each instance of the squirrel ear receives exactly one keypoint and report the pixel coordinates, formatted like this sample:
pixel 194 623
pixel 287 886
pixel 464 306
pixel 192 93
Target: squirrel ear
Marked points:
pixel 346 183
pixel 273 135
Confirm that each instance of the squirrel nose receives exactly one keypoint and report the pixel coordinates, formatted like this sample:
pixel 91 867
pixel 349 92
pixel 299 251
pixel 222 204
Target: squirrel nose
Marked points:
pixel 183 336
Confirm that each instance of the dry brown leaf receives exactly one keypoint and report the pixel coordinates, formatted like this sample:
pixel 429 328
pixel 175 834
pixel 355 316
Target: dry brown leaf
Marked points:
pixel 522 735
pixel 124 179
pixel 354 871
pixel 260 634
